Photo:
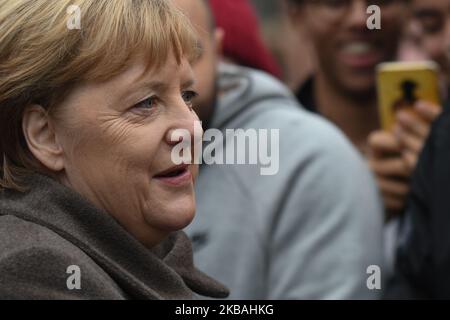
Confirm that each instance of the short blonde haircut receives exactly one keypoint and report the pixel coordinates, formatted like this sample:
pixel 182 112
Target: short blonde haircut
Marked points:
pixel 41 59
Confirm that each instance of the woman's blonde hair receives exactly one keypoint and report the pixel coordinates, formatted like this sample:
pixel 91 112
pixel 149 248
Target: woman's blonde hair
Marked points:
pixel 42 58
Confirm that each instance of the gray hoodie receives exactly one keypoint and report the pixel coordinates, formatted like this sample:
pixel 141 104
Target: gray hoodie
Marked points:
pixel 308 232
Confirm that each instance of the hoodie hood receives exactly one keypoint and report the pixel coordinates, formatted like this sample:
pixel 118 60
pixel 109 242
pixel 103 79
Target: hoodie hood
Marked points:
pixel 241 88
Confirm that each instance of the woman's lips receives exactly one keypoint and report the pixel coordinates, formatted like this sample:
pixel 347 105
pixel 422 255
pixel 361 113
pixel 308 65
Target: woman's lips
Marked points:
pixel 175 176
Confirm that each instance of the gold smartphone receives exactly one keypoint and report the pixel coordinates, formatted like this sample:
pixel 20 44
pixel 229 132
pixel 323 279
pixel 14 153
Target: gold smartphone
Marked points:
pixel 401 84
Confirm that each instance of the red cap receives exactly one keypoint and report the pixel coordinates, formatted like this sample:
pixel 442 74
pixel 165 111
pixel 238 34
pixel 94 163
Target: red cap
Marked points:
pixel 243 43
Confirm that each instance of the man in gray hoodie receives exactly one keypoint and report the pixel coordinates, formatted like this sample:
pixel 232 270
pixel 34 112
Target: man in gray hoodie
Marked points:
pixel 310 231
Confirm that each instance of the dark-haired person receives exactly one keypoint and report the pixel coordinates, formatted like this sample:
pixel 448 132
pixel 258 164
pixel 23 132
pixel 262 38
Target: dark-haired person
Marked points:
pixel 88 187
pixel 423 255
pixel 427 35
pixel 311 230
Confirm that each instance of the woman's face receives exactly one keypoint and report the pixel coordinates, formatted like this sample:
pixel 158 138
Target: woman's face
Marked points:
pixel 116 139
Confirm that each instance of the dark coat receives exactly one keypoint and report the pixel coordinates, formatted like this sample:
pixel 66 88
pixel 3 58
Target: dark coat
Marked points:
pixel 49 228
pixel 423 254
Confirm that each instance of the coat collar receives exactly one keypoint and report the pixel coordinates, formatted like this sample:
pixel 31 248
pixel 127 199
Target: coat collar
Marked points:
pixel 165 272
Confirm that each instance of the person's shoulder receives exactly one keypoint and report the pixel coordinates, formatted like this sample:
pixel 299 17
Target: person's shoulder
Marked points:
pixel 259 83
pixel 36 263
pixel 303 135
pixel 276 106
pixel 304 129
pixel 268 83
pixel 441 128
pixel 25 244
pixel 18 233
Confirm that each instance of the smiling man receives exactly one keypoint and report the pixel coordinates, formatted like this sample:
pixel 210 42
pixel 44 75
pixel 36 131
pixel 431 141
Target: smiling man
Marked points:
pixel 343 90
pixel 343 87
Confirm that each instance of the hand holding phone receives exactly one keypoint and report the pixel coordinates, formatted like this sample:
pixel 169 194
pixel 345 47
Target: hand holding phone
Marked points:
pixel 401 85
pixel 412 130
pixel 408 103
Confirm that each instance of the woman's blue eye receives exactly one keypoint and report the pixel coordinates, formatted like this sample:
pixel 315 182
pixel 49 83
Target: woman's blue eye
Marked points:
pixel 148 103
pixel 189 96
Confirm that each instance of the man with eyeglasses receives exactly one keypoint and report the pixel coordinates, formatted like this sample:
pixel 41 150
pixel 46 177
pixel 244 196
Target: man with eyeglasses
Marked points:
pixel 346 53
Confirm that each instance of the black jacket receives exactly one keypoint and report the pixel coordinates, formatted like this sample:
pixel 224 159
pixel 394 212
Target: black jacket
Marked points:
pixel 423 256
pixel 50 228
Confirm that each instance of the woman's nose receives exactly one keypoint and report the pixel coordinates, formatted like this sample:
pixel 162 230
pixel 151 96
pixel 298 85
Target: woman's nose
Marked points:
pixel 186 125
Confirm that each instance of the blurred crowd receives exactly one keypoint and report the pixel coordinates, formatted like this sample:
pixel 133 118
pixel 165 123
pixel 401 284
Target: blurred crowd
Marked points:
pixel 349 194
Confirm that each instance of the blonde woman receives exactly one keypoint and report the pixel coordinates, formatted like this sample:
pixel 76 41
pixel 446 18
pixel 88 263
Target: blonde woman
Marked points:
pixel 90 201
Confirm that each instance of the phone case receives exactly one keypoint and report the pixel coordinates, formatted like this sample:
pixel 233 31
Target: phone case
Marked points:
pixel 401 84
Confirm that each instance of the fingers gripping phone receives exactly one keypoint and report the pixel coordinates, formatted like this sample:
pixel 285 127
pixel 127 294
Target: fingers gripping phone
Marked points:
pixel 401 84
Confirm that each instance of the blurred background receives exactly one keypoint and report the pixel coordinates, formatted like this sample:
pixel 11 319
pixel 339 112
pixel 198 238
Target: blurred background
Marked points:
pixel 290 51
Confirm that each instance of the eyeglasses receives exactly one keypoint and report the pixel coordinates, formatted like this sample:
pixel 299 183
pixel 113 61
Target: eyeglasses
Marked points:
pixel 333 9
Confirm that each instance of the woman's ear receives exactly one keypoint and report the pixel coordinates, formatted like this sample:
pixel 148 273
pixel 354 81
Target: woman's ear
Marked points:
pixel 41 138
